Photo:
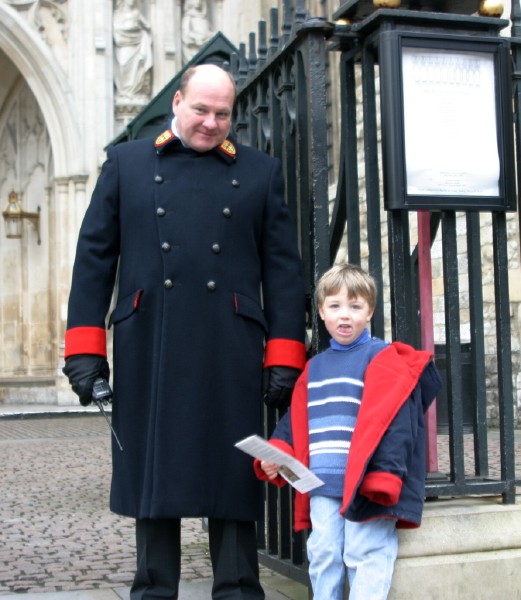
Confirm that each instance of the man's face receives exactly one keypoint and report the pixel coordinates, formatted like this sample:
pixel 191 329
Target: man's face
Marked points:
pixel 204 111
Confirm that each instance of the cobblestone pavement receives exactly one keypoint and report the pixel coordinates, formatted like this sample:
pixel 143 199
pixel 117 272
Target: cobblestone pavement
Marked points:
pixel 56 530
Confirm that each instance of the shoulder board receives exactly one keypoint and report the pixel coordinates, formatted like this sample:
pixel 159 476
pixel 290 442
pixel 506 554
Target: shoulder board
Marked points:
pixel 228 148
pixel 163 138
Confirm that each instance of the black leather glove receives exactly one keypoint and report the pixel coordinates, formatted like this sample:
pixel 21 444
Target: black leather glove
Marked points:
pixel 278 386
pixel 82 370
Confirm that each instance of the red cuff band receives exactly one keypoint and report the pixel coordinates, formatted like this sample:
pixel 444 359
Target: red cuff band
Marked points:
pixel 85 340
pixel 285 353
pixel 381 487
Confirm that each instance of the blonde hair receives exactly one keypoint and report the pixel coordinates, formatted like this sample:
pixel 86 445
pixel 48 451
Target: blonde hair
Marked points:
pixel 357 282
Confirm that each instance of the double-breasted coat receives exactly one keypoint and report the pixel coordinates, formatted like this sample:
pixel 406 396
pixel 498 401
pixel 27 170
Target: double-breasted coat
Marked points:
pixel 201 251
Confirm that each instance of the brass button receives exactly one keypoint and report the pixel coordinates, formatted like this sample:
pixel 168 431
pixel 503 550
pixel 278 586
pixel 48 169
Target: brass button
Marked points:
pixel 211 285
pixel 158 179
pixel 168 283
pixel 216 248
pixel 160 212
pixel 227 212
pixel 166 246
pixel 235 183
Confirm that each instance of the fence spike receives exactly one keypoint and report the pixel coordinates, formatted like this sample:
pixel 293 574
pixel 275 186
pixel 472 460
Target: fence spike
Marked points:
pixel 274 31
pixel 252 56
pixel 234 66
pixel 243 64
pixel 286 23
pixel 301 13
pixel 262 50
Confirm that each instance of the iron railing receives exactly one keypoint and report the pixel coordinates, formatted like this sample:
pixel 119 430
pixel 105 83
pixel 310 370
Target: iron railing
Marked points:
pixel 283 109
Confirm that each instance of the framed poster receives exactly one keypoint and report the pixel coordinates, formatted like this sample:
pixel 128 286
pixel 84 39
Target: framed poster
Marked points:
pixel 447 130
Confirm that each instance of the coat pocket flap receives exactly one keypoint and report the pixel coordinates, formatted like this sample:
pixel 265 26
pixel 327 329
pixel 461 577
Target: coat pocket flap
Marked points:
pixel 246 307
pixel 125 308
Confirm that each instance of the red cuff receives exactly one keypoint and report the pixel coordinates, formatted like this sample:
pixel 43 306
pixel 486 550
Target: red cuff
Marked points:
pixel 382 488
pixel 85 340
pixel 285 353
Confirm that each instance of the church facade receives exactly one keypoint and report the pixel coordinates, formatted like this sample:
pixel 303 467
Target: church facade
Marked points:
pixel 73 74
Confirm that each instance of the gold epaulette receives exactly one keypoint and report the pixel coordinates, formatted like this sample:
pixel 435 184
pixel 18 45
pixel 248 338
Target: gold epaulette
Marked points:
pixel 228 148
pixel 164 138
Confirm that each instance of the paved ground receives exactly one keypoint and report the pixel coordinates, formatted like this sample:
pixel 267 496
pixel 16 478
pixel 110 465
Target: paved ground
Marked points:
pixel 57 534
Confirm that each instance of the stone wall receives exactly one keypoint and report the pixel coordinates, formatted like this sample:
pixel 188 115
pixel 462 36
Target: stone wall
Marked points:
pixel 60 104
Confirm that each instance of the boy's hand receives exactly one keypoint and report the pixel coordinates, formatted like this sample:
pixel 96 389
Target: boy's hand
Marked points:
pixel 271 469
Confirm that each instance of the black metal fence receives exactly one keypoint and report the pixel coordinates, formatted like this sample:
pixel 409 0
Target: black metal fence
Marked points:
pixel 283 108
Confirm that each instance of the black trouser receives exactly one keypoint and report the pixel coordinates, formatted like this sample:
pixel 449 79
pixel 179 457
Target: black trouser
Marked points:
pixel 233 551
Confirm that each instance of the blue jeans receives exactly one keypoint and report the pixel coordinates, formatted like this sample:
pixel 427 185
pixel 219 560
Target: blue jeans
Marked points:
pixel 366 552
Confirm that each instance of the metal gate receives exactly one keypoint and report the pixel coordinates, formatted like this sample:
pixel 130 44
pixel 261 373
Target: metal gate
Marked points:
pixel 284 109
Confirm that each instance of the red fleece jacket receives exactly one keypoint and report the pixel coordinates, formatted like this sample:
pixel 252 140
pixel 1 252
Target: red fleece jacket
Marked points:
pixel 378 468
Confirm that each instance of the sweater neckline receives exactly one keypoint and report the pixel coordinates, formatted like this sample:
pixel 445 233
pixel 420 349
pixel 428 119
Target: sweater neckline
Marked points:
pixel 362 339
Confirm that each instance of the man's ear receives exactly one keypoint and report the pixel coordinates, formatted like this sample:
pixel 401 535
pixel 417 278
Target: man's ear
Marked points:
pixel 175 100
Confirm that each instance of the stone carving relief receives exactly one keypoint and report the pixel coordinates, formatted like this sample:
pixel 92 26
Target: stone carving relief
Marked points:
pixel 196 29
pixel 49 18
pixel 132 52
pixel 51 21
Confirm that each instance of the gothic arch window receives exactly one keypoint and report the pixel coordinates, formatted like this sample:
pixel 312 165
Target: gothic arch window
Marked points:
pixel 25 315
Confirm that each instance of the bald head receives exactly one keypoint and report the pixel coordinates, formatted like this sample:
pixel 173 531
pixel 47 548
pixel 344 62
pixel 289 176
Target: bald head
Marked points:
pixel 207 72
pixel 203 107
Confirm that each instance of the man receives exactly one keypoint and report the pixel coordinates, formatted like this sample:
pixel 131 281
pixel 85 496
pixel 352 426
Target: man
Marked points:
pixel 210 298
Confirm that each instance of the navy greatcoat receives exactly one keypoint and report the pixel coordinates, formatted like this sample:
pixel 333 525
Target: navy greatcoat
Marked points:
pixel 201 251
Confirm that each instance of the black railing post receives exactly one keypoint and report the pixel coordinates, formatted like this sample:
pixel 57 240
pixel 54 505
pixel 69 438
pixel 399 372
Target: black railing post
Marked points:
pixel 345 219
pixel 453 345
pixel 372 184
pixel 504 356
pixel 515 17
pixel 477 345
pixel 312 78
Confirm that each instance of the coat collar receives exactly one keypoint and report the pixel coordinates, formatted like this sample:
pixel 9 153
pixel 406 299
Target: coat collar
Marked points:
pixel 168 140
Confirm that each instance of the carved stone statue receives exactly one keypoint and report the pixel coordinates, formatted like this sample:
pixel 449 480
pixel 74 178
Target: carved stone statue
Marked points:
pixel 49 18
pixel 132 51
pixel 196 29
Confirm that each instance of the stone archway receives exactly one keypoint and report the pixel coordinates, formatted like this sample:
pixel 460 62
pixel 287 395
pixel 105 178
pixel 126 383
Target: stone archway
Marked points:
pixel 39 68
pixel 42 164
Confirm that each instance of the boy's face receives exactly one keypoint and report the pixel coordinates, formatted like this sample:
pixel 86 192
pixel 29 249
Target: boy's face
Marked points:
pixel 345 318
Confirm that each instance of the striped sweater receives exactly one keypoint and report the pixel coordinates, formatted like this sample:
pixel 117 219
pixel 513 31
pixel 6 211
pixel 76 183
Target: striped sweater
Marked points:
pixel 335 387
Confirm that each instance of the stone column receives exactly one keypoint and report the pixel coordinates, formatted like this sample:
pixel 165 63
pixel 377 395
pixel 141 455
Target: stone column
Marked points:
pixel 67 212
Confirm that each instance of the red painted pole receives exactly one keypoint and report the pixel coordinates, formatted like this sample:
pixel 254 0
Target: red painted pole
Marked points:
pixel 427 327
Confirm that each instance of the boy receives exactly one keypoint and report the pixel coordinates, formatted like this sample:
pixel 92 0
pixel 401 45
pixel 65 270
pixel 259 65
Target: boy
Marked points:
pixel 357 420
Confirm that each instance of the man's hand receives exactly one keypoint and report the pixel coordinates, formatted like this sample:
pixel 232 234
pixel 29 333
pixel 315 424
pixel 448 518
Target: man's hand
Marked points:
pixel 82 370
pixel 278 386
